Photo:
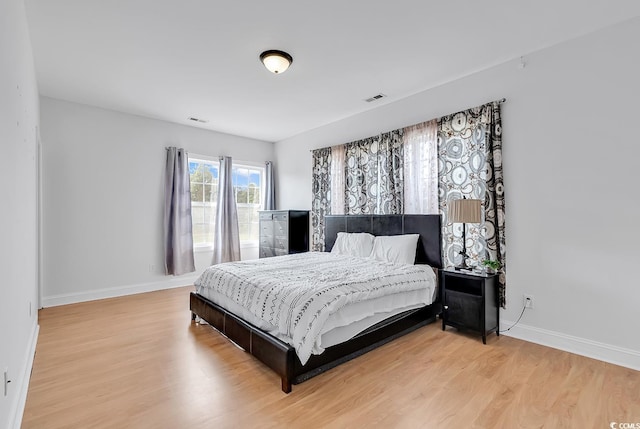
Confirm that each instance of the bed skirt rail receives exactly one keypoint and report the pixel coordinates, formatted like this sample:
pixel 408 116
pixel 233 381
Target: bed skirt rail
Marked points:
pixel 282 358
pixel 365 342
pixel 277 355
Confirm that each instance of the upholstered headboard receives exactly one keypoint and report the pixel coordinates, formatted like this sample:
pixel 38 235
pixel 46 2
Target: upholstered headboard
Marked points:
pixel 428 226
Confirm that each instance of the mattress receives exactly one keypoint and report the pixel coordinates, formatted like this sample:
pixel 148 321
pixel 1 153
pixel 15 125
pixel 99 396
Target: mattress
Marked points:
pixel 315 300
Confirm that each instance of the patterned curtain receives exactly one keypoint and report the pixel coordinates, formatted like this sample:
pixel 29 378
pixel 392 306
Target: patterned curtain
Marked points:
pixel 390 173
pixel 470 165
pixel 374 175
pixel 361 175
pixel 494 228
pixel 321 196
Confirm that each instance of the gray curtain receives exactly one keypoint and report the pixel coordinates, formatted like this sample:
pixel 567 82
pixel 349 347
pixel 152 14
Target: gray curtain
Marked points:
pixel 178 238
pixel 270 188
pixel 470 165
pixel 321 196
pixel 226 240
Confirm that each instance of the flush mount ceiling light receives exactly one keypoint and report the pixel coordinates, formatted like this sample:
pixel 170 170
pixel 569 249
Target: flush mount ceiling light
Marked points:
pixel 276 61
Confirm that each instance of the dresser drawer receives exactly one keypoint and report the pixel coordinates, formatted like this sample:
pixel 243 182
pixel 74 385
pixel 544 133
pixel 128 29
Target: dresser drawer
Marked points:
pixel 267 252
pixel 266 216
pixel 280 252
pixel 266 228
pixel 280 228
pixel 281 217
pixel 281 243
pixel 266 241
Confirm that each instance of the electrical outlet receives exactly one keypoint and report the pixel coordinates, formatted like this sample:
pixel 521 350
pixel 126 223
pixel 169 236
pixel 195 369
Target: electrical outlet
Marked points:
pixel 152 268
pixel 528 301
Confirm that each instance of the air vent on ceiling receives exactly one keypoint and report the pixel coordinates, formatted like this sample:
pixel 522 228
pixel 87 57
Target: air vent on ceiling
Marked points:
pixel 203 121
pixel 375 97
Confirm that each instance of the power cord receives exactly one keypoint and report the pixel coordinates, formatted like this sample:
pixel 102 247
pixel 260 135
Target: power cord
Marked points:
pixel 523 309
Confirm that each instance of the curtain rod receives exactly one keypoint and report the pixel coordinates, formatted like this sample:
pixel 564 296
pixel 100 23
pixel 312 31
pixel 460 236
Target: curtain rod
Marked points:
pixel 502 100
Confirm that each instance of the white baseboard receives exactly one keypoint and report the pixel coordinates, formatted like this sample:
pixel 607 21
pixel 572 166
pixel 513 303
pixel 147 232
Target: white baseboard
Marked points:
pixel 581 346
pixel 92 295
pixel 16 421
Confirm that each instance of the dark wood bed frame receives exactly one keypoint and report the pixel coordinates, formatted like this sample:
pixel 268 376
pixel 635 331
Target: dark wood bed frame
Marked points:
pixel 281 357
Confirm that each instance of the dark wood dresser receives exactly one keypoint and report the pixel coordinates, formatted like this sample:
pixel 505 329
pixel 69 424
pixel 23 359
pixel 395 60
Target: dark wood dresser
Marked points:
pixel 283 232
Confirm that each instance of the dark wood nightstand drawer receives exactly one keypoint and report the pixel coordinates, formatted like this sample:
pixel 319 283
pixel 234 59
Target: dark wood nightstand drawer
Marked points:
pixel 463 309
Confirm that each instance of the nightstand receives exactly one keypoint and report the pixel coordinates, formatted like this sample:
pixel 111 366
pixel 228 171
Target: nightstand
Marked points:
pixel 470 301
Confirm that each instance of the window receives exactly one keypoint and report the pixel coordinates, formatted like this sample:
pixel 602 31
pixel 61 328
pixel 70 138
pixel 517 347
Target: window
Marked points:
pixel 204 194
pixel 247 183
pixel 247 186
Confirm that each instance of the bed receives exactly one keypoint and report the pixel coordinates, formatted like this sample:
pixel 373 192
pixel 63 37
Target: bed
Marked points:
pixel 283 357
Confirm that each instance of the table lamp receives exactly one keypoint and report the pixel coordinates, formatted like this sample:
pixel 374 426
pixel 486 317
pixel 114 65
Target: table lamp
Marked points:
pixel 466 210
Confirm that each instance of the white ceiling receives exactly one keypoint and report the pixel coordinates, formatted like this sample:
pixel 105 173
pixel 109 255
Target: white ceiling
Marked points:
pixel 175 59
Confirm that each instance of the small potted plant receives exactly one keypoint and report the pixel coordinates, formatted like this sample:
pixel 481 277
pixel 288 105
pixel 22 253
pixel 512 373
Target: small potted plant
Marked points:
pixel 491 266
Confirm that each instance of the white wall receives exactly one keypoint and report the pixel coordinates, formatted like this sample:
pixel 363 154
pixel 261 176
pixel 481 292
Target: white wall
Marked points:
pixel 18 210
pixel 103 175
pixel 571 177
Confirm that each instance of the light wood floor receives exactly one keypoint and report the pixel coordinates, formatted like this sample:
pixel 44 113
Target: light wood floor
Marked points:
pixel 111 364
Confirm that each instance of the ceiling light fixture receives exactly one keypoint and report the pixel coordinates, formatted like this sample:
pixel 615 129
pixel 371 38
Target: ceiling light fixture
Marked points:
pixel 276 61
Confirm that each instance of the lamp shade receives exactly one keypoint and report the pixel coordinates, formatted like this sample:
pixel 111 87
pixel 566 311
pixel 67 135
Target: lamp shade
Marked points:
pixel 465 211
pixel 276 61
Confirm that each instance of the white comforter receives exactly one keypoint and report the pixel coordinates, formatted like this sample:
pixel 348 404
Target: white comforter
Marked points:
pixel 296 294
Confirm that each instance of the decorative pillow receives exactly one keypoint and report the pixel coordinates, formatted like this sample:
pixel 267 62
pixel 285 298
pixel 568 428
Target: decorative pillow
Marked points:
pixel 399 249
pixel 353 244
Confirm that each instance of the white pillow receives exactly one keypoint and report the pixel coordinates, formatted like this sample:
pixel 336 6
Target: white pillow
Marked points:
pixel 399 249
pixel 353 244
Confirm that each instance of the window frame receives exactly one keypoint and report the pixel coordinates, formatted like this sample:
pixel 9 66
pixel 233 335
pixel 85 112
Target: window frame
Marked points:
pixel 251 165
pixel 262 170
